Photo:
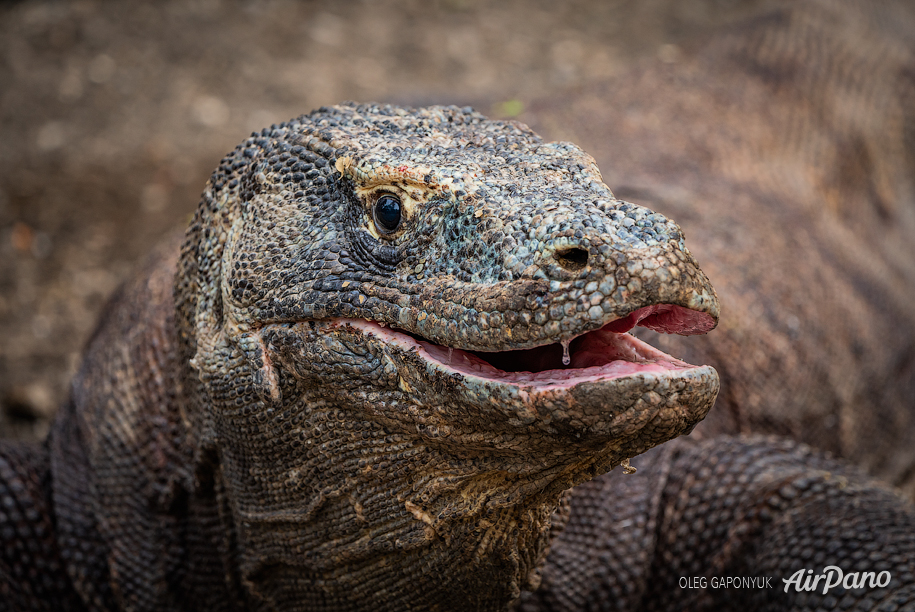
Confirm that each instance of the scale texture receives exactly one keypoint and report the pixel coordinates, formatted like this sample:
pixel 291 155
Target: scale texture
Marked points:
pixel 315 401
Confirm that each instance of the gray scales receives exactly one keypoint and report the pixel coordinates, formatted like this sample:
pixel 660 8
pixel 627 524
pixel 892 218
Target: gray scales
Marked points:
pixel 310 406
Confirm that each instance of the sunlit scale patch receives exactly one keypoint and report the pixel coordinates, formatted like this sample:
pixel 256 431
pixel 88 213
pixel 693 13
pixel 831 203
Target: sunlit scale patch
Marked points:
pixel 603 354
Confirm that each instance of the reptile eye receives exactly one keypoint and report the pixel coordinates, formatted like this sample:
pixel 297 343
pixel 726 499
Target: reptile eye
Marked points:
pixel 387 213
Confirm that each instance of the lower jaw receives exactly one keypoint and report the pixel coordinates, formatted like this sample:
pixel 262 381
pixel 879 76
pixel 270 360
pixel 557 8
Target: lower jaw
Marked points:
pixel 473 407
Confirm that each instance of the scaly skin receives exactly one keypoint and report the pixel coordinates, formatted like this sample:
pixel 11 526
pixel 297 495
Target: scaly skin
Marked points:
pixel 243 434
pixel 729 507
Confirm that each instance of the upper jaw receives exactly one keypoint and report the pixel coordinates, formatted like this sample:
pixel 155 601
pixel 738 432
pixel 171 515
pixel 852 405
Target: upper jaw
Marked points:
pixel 527 314
pixel 508 314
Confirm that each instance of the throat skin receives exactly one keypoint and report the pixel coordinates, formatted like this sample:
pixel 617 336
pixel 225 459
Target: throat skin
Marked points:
pixel 410 528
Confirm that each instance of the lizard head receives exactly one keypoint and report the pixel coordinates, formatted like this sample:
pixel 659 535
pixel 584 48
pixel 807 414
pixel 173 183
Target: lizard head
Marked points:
pixel 410 328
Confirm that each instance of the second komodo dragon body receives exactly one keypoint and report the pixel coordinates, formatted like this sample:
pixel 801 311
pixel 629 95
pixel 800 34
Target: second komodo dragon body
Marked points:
pixel 373 310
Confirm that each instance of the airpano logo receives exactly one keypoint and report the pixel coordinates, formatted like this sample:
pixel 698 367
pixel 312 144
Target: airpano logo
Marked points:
pixel 833 576
pixel 800 581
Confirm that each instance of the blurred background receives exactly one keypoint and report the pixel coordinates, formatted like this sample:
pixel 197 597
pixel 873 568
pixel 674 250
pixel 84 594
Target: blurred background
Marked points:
pixel 113 114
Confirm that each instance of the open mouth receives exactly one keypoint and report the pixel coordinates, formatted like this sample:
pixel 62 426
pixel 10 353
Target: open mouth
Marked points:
pixel 606 353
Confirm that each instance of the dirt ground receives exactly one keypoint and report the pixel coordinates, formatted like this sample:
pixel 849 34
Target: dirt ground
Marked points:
pixel 112 115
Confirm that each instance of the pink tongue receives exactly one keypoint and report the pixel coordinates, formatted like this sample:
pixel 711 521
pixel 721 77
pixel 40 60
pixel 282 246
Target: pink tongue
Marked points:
pixel 664 318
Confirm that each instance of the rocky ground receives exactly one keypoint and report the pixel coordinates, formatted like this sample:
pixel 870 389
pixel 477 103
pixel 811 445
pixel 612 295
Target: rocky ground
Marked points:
pixel 113 114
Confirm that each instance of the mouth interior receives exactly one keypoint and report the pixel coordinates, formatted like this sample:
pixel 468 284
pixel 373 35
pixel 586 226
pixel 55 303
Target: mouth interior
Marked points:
pixel 595 348
pixel 603 346
pixel 608 352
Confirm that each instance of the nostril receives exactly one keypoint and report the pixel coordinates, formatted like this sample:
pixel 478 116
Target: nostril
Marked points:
pixel 572 259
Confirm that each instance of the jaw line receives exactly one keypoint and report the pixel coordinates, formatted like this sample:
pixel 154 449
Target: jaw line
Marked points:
pixel 634 357
pixel 636 398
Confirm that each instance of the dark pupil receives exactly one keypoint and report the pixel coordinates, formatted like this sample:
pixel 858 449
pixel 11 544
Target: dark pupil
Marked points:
pixel 387 213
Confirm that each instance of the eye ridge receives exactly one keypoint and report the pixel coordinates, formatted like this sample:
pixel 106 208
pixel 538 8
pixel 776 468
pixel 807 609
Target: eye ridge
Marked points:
pixel 387 213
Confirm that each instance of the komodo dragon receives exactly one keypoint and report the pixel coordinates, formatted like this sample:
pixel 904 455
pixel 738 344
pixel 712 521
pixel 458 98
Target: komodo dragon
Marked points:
pixel 392 340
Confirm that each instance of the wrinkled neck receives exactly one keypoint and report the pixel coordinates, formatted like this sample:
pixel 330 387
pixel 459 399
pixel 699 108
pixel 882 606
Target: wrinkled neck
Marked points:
pixel 364 519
